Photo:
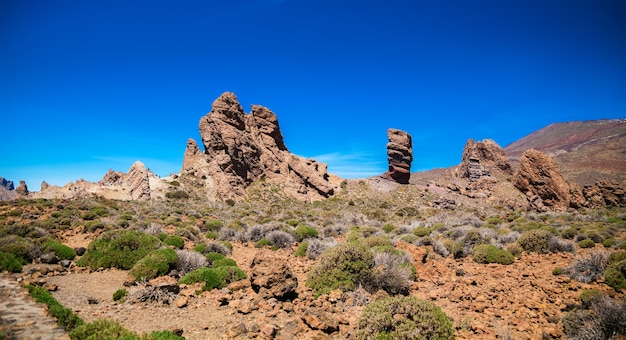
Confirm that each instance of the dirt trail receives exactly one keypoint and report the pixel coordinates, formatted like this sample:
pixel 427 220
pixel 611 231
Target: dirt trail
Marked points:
pixel 23 318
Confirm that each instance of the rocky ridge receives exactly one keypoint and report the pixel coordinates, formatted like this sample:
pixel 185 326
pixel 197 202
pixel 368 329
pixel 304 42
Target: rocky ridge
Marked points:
pixel 241 148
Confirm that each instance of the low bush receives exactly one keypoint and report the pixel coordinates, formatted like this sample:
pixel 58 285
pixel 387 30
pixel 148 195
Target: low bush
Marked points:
pixel 175 241
pixel 615 273
pixel 178 194
pixel 316 247
pixel 61 251
pixel 301 250
pixel 589 268
pixel 189 261
pixel 214 225
pixel 118 248
pixel 488 253
pixel 303 231
pixel 157 263
pixel 280 239
pixel 341 267
pixel 120 294
pixel 23 249
pixel 216 247
pixel 588 296
pixel 9 263
pixel 536 241
pixel 225 262
pixel 392 272
pixel 403 318
pixel 586 243
pixel 558 271
pixel 455 248
pixel 101 329
pixel 214 277
pixel 422 231
pixel 605 318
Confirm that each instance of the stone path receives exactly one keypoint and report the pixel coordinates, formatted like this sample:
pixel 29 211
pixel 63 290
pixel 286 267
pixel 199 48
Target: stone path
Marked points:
pixel 23 318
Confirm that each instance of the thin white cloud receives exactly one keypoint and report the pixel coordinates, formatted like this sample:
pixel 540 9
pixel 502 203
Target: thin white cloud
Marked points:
pixel 354 165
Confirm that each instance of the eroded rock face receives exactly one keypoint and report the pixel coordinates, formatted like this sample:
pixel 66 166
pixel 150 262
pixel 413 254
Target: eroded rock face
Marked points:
pixel 241 148
pixel 22 189
pixel 605 194
pixel 540 179
pixel 272 278
pixel 399 156
pixel 7 190
pixel 5 183
pixel 481 158
pixel 138 182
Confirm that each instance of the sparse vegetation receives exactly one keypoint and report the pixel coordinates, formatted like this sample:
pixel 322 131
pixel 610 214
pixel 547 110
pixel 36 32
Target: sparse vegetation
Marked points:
pixel 404 318
pixel 118 248
pixel 488 253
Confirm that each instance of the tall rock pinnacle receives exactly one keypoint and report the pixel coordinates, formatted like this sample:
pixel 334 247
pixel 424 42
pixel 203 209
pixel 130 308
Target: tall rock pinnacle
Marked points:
pixel 399 156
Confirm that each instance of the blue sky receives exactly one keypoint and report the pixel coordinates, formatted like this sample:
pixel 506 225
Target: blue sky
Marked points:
pixel 86 86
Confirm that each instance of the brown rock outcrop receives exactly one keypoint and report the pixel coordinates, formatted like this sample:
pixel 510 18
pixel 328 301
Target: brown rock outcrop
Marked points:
pixel 605 194
pixel 481 158
pixel 540 179
pixel 241 148
pixel 399 156
pixel 22 189
pixel 138 182
pixel 272 278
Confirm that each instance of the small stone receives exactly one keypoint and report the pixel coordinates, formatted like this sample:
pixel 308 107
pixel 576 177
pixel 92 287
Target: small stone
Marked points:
pixel 268 330
pixel 181 302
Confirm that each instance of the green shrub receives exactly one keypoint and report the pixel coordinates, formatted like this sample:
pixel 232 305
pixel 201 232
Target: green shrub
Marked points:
pixel 118 248
pixel 262 243
pixel 101 329
pixel 293 223
pixel 89 216
pixel 558 271
pixel 341 267
pixel 225 262
pixel 615 274
pixel 408 238
pixel 164 335
pixel 488 253
pixel 301 251
pixel 214 277
pixel 455 248
pixel 303 231
pixel 403 318
pixel 211 235
pixel 376 241
pixel 569 233
pixel 213 256
pixel 157 263
pixel 65 317
pixel 214 225
pixel 388 227
pixel 15 213
pixel 178 194
pixel 120 294
pixel 422 231
pixel 537 241
pixel 18 246
pixel 9 263
pixel 61 251
pixel 586 243
pixel 609 242
pixel 588 296
pixel 175 241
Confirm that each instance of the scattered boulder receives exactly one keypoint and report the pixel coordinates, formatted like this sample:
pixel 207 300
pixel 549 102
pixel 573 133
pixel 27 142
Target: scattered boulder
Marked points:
pixel 540 180
pixel 22 189
pixel 481 158
pixel 399 156
pixel 605 194
pixel 270 277
pixel 241 148
pixel 49 258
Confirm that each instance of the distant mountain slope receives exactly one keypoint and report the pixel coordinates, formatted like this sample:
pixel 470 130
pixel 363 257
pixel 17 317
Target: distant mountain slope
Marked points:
pixel 587 151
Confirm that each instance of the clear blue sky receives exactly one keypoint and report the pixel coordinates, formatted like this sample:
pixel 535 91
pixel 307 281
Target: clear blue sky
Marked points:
pixel 86 86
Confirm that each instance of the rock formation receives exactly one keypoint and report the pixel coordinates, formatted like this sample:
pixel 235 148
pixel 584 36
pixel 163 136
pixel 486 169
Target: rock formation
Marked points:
pixel 540 179
pixel 605 194
pixel 481 158
pixel 399 156
pixel 134 185
pixel 241 148
pixel 5 183
pixel 272 278
pixel 22 189
pixel 7 190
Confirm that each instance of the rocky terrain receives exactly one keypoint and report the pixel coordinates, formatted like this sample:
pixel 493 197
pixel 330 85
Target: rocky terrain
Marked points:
pixel 507 244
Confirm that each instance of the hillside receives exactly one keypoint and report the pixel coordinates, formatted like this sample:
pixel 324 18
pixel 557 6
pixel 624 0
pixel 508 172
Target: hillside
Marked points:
pixel 587 151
